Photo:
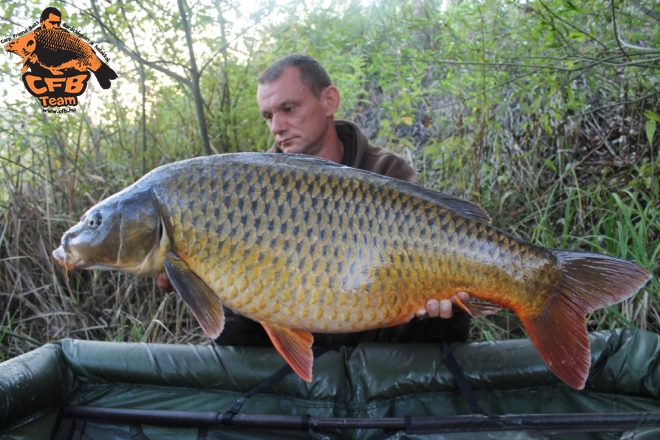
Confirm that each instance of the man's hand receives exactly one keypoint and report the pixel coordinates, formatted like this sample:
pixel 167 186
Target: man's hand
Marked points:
pixel 443 308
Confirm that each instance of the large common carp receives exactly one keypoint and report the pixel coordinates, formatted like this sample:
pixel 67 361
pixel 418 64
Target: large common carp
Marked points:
pixel 304 245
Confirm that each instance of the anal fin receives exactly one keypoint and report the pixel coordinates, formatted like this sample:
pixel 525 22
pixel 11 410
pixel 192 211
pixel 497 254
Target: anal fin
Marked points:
pixel 295 346
pixel 478 309
pixel 203 302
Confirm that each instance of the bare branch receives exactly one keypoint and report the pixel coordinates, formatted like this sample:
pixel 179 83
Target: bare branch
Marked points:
pixel 616 31
pixel 114 39
pixel 572 26
pixel 654 15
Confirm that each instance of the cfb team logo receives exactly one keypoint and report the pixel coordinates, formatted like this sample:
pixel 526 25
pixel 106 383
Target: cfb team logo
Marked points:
pixel 58 61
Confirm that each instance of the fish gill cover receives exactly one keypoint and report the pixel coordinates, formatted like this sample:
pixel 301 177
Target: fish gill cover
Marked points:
pixel 56 63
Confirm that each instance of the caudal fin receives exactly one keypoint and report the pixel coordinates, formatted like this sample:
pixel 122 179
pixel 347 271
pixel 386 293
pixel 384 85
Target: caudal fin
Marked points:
pixel 589 282
pixel 104 74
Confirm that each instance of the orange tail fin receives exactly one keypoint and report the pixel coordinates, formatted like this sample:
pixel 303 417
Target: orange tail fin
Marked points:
pixel 589 282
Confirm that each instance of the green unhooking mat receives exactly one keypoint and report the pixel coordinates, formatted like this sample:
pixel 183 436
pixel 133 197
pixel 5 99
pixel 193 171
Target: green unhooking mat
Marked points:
pixel 369 381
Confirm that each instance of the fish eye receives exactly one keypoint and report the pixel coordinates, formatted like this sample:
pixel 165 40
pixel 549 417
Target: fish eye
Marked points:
pixel 94 220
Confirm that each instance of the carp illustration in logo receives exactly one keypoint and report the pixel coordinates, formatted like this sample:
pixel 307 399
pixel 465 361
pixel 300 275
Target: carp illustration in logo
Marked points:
pixel 58 61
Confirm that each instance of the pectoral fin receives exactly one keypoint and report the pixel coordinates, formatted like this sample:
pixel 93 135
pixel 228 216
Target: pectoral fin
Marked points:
pixel 295 346
pixel 203 302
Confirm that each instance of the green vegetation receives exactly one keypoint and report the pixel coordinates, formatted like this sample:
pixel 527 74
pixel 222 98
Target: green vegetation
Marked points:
pixel 545 112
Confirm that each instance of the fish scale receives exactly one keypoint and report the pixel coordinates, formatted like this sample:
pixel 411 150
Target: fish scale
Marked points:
pixel 304 245
pixel 59 40
pixel 356 261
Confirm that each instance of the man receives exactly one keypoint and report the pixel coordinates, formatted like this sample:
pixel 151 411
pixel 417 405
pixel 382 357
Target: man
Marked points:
pixel 298 101
pixel 51 18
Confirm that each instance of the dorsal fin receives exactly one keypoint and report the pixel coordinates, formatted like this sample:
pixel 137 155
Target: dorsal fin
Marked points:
pixel 458 205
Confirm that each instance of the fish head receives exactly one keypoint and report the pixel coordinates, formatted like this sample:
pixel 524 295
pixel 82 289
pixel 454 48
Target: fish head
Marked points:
pixel 122 233
pixel 23 46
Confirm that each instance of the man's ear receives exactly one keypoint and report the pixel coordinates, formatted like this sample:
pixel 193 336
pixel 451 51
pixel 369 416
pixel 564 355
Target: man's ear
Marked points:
pixel 330 99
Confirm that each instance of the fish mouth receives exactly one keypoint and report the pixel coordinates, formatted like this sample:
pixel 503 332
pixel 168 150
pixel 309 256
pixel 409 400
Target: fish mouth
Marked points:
pixel 63 259
pixel 72 262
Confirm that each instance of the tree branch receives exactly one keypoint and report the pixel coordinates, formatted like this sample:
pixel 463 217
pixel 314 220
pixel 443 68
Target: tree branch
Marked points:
pixel 616 31
pixel 645 10
pixel 136 56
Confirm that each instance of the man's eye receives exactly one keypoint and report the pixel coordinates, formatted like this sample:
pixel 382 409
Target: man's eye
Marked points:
pixel 288 109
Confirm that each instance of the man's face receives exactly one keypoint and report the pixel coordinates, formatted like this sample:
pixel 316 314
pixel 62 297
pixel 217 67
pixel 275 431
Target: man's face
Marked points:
pixel 296 118
pixel 52 22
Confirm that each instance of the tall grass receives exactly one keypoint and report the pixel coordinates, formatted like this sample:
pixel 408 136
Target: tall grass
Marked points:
pixel 39 302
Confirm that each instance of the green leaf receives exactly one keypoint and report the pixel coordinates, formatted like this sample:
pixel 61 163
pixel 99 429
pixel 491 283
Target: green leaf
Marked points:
pixel 652 116
pixel 650 130
pixel 577 36
pixel 549 164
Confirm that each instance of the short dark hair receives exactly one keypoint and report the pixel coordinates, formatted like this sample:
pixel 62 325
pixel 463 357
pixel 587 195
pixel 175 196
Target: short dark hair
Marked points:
pixel 312 73
pixel 50 10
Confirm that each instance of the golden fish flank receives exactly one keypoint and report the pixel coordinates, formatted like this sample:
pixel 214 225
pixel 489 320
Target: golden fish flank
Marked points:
pixel 303 245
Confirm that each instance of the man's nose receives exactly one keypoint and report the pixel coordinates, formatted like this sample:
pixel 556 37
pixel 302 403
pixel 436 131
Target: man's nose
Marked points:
pixel 277 124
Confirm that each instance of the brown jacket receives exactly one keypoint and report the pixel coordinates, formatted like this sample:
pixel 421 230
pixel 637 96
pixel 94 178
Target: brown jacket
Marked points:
pixel 362 154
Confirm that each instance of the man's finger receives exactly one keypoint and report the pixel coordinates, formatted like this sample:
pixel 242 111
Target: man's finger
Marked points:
pixel 432 308
pixel 446 309
pixel 463 296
